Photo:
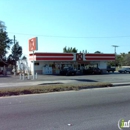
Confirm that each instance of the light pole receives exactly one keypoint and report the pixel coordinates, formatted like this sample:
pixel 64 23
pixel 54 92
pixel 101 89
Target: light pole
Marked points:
pixel 115 46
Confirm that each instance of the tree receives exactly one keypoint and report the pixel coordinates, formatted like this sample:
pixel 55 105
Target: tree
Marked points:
pixel 127 59
pixel 98 52
pixel 83 51
pixel 3 62
pixel 74 50
pixel 5 42
pixel 65 49
pixel 24 58
pixel 86 51
pixel 10 60
pixel 2 26
pixel 70 50
pixel 120 58
pixel 16 53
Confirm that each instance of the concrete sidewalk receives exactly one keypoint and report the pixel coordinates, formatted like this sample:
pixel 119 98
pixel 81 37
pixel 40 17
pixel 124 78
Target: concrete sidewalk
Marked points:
pixel 20 84
pixel 33 83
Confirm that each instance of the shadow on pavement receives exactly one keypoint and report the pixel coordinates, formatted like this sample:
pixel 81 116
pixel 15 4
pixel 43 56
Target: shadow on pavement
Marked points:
pixel 85 80
pixel 2 76
pixel 50 83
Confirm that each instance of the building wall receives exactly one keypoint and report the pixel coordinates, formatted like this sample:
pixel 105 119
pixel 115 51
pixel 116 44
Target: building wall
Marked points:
pixel 38 65
pixel 103 66
pixel 43 67
pixel 37 68
pixel 31 67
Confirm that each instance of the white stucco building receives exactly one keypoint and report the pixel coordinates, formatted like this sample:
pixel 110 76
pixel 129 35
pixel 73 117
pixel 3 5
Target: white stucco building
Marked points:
pixel 51 63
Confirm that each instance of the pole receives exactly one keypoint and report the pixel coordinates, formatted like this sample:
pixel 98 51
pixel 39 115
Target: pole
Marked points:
pixel 15 62
pixel 20 76
pixel 23 76
pixel 28 75
pixel 36 75
pixel 115 46
pixel 33 67
pixel 14 39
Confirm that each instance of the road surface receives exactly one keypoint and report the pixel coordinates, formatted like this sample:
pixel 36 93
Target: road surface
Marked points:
pixel 92 109
pixel 112 78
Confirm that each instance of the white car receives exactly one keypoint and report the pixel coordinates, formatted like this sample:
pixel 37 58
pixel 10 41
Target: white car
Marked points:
pixel 124 70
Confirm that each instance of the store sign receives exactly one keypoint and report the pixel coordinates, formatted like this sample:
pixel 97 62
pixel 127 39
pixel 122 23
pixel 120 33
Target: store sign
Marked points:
pixel 33 44
pixel 79 57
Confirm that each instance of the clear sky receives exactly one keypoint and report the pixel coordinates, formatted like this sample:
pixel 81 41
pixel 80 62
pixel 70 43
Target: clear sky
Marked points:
pixel 92 25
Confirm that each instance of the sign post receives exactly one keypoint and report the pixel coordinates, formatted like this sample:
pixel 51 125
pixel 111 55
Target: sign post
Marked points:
pixel 33 45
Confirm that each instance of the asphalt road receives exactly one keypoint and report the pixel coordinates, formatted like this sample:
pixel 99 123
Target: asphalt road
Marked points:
pixel 113 78
pixel 93 109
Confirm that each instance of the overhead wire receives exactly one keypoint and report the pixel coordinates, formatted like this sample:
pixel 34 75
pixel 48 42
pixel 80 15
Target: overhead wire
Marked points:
pixel 54 36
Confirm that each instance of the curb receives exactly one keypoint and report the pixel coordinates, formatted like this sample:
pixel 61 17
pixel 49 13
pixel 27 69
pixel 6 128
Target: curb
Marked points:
pixel 113 85
pixel 120 84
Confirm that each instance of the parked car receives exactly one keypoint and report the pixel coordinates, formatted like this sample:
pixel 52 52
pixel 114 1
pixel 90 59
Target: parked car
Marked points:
pixel 92 71
pixel 97 71
pixel 110 69
pixel 1 72
pixel 68 71
pixel 124 70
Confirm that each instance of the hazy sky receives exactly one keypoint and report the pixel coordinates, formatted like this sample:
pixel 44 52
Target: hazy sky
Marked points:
pixel 85 24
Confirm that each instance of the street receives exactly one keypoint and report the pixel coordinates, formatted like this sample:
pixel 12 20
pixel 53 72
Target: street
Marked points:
pixel 91 109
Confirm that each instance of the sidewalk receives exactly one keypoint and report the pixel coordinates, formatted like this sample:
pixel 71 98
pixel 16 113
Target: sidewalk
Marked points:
pixel 33 83
pixel 29 83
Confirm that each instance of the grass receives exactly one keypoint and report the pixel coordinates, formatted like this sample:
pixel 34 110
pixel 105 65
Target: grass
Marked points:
pixel 48 88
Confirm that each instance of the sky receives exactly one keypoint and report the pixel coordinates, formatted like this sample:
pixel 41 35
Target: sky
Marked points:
pixel 92 25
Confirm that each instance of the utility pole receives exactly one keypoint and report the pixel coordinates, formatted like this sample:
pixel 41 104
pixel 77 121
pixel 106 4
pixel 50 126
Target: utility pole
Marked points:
pixel 115 46
pixel 15 63
pixel 14 39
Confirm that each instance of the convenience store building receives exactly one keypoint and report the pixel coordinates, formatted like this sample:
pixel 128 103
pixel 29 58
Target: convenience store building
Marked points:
pixel 51 63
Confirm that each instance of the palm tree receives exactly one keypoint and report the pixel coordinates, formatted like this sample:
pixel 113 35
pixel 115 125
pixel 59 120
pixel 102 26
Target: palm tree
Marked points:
pixel 65 49
pixel 69 50
pixel 74 50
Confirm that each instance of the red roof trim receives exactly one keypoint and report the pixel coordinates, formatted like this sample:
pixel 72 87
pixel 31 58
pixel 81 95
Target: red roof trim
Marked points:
pixel 52 54
pixel 55 59
pixel 99 55
pixel 99 59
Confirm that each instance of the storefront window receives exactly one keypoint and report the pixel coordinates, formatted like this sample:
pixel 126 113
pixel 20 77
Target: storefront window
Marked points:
pixel 36 63
pixel 50 65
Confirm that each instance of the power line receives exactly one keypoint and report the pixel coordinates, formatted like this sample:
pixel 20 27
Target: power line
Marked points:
pixel 53 36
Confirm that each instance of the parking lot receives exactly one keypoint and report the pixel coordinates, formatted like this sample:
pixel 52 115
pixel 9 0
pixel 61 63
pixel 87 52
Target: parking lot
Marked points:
pixel 111 77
